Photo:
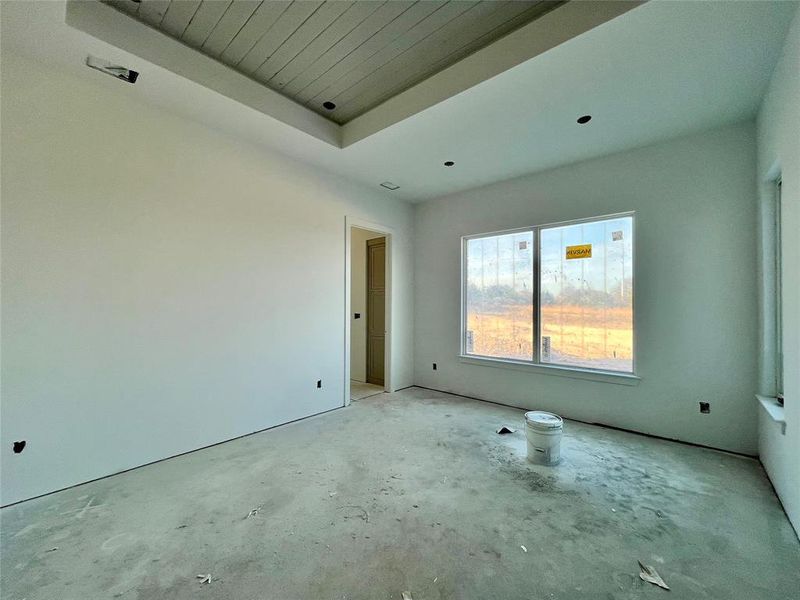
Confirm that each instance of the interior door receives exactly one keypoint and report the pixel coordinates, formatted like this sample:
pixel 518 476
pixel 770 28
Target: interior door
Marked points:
pixel 376 309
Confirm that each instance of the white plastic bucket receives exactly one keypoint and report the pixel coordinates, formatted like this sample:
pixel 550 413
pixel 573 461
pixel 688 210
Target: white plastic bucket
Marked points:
pixel 543 431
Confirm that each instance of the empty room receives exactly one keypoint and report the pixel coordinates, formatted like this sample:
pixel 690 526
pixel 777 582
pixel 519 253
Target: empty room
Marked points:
pixel 399 299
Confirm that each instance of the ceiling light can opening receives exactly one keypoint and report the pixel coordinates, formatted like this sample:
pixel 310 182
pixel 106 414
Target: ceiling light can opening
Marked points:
pixel 328 105
pixel 449 163
pixel 584 119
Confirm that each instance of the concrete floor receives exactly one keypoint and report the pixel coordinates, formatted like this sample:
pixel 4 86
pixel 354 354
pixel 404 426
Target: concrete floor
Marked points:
pixel 360 389
pixel 411 491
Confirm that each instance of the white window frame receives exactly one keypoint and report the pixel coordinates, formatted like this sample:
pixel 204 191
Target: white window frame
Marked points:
pixel 778 291
pixel 629 378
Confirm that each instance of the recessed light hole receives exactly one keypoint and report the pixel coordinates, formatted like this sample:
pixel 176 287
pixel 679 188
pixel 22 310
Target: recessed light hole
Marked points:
pixel 584 119
pixel 328 105
pixel 449 163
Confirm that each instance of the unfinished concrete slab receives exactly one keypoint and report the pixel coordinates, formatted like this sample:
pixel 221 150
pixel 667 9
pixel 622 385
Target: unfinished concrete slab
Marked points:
pixel 412 491
pixel 360 390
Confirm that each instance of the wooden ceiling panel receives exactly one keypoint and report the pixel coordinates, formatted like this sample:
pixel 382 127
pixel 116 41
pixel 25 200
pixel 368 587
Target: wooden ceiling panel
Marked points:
pixel 455 19
pixel 354 53
pixel 283 29
pixel 459 38
pixel 204 21
pixel 178 16
pixel 127 6
pixel 257 25
pixel 347 49
pixel 324 43
pixel 398 27
pixel 235 17
pixel 323 17
pixel 152 11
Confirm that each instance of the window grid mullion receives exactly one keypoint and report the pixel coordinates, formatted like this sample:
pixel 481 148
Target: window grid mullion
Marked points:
pixel 536 312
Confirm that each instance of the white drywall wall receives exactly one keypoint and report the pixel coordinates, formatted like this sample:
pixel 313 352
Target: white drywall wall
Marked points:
pixel 165 286
pixel 695 283
pixel 358 302
pixel 779 154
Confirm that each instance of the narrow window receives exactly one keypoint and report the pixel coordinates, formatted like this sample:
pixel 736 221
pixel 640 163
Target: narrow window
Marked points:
pixel 778 297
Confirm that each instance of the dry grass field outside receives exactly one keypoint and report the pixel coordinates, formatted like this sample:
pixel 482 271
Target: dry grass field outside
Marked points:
pixel 595 337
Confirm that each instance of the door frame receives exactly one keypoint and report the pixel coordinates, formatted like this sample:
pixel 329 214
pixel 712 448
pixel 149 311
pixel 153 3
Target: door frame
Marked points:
pixel 386 231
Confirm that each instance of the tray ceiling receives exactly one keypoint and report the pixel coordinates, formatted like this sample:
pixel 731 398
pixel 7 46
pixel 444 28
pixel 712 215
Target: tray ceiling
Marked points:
pixel 354 54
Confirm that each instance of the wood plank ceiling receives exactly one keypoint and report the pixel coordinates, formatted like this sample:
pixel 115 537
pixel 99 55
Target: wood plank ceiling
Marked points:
pixel 354 54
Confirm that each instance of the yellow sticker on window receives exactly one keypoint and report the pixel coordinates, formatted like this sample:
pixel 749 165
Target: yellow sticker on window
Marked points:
pixel 582 251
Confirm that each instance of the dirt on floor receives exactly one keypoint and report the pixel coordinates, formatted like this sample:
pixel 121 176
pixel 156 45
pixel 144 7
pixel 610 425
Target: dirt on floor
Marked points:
pixel 410 492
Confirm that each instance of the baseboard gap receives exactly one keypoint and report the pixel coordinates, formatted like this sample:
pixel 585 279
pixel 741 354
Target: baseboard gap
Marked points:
pixel 605 425
pixel 153 462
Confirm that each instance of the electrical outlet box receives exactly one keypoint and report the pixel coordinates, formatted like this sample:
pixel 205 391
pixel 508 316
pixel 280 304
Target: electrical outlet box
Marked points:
pixel 705 407
pixel 319 383
pixel 434 366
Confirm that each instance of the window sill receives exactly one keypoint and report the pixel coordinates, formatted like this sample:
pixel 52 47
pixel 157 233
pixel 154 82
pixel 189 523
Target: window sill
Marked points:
pixel 558 371
pixel 775 411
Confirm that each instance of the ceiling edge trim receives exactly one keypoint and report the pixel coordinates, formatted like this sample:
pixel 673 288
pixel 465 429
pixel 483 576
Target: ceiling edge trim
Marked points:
pixel 537 37
pixel 113 27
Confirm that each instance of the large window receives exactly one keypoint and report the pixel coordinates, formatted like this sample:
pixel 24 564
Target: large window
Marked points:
pixel 557 295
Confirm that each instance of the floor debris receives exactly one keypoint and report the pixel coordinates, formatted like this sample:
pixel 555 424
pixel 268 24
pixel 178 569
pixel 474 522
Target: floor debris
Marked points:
pixel 205 578
pixel 407 596
pixel 253 512
pixel 52 549
pixel 524 549
pixel 505 429
pixel 650 575
pixel 331 494
pixel 364 516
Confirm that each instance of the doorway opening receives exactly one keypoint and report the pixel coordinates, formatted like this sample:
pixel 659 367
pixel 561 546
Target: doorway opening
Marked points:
pixel 367 314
